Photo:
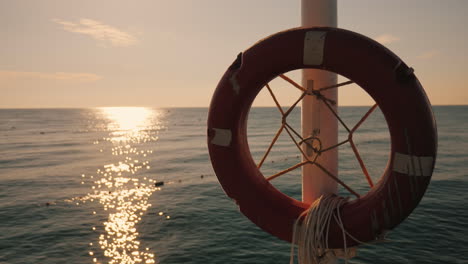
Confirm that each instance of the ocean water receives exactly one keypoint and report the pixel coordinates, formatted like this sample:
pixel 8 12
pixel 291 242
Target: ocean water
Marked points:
pixel 78 186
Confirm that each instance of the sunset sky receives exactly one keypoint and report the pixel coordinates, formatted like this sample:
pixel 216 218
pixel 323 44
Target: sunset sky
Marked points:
pixel 156 53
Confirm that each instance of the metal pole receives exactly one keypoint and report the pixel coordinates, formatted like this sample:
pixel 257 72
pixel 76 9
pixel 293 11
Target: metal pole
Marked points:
pixel 317 119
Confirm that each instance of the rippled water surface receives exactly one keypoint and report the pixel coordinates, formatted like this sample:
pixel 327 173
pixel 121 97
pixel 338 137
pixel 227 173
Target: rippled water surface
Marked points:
pixel 84 186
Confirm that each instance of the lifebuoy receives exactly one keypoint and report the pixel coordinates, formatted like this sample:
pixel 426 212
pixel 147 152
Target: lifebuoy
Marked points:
pixel 389 81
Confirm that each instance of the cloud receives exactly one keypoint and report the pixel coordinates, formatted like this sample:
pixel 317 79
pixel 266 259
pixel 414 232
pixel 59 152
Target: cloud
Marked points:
pixel 59 76
pixel 387 39
pixel 103 33
pixel 428 55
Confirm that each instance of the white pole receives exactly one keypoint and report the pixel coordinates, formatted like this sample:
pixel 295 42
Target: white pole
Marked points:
pixel 317 119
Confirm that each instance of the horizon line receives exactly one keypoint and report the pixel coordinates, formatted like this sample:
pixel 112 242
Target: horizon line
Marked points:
pixel 166 107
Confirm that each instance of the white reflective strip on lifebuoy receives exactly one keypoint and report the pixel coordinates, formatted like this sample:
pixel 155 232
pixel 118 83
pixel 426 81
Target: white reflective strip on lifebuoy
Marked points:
pixel 314 43
pixel 222 137
pixel 234 83
pixel 413 165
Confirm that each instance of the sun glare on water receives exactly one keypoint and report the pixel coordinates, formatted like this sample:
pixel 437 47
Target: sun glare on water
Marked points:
pixel 121 187
pixel 130 123
pixel 128 118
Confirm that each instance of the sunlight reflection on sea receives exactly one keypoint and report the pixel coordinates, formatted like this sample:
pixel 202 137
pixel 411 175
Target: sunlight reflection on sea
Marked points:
pixel 118 188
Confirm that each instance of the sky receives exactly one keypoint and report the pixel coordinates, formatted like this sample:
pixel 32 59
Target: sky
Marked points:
pixel 153 53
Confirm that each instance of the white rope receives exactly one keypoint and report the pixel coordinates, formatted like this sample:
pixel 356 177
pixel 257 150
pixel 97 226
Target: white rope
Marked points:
pixel 311 229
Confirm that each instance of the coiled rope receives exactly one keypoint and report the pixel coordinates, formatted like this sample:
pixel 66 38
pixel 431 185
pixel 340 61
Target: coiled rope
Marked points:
pixel 311 230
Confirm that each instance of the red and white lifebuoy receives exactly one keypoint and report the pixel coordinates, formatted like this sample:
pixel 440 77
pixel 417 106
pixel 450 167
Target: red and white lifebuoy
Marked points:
pixel 381 74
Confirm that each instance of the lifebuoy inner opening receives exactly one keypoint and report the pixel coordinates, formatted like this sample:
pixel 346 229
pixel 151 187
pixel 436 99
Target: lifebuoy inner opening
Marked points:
pixel 282 151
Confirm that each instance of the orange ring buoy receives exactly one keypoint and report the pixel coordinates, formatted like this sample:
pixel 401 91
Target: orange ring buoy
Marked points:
pixel 381 74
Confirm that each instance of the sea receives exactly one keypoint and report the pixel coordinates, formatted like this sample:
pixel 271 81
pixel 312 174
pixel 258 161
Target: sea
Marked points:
pixel 135 185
